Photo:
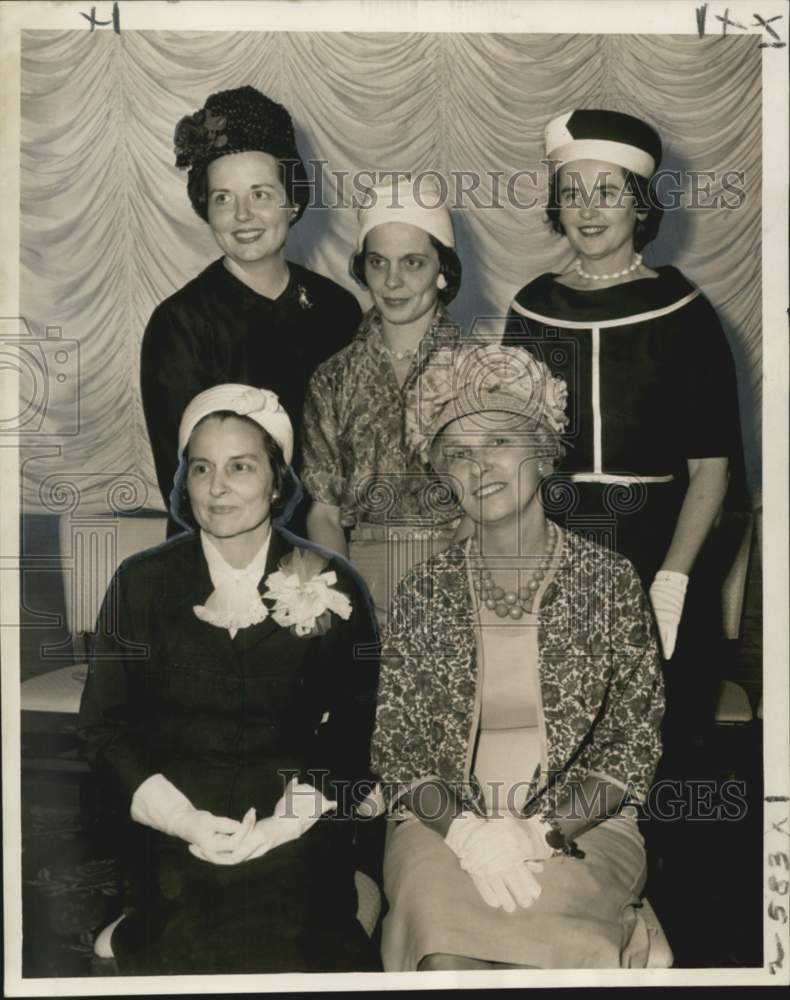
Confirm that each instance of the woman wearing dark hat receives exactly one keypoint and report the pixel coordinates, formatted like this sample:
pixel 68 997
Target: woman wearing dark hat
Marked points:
pixel 653 399
pixel 252 316
pixel 358 469
pixel 519 703
pixel 229 705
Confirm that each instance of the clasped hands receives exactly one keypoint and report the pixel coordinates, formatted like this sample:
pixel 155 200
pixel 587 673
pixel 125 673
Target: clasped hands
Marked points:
pixel 159 804
pixel 501 855
pixel 219 843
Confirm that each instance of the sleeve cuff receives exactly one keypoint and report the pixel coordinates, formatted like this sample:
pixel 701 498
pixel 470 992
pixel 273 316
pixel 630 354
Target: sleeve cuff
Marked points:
pixel 626 787
pixel 156 801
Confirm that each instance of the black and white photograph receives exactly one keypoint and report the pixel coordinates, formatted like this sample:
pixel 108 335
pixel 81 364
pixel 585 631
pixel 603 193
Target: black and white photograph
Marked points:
pixel 394 495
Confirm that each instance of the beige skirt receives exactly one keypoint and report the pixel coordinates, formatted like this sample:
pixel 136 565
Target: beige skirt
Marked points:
pixel 585 917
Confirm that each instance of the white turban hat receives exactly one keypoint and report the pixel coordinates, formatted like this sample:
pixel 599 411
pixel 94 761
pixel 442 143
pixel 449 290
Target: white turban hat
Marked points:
pixel 259 405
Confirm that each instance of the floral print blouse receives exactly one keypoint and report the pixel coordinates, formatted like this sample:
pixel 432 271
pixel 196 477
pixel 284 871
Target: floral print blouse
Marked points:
pixel 356 456
pixel 600 678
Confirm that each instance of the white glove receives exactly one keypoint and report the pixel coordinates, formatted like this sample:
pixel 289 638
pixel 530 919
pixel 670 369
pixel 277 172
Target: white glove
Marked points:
pixel 159 804
pixel 498 856
pixel 300 807
pixel 668 595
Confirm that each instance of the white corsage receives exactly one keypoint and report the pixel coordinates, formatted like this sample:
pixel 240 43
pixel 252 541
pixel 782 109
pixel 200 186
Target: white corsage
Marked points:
pixel 303 596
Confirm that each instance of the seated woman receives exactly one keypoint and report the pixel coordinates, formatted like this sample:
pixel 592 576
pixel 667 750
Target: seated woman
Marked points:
pixel 360 475
pixel 230 704
pixel 519 703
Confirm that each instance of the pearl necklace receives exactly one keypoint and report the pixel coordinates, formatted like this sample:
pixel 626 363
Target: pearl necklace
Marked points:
pixel 398 355
pixel 605 277
pixel 509 603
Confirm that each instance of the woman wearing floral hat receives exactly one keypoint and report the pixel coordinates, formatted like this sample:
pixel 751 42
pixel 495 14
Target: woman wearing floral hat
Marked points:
pixel 653 399
pixel 229 705
pixel 372 499
pixel 252 316
pixel 519 703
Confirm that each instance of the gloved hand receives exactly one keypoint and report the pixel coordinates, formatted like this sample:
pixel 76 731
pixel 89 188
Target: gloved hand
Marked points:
pixel 497 855
pixel 296 811
pixel 668 595
pixel 159 804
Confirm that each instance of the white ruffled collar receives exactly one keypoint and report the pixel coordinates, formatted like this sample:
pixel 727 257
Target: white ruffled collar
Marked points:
pixel 235 601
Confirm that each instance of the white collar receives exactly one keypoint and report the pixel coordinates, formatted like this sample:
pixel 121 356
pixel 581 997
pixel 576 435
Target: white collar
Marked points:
pixel 235 601
pixel 220 569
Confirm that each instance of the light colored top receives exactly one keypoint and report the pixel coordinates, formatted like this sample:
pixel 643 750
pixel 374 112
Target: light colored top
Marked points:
pixel 508 745
pixel 235 602
pixel 511 739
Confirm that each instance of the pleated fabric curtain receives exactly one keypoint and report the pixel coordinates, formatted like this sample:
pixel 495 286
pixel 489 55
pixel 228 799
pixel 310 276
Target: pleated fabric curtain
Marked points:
pixel 107 231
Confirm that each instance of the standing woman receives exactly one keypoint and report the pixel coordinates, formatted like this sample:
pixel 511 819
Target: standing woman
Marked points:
pixel 358 469
pixel 653 400
pixel 229 706
pixel 252 316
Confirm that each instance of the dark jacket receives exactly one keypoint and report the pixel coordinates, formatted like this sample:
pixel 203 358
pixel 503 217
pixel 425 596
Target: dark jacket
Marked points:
pixel 216 329
pixel 222 717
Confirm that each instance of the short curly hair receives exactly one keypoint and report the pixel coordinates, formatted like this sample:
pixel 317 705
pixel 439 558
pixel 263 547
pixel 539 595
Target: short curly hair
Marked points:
pixel 645 192
pixel 449 266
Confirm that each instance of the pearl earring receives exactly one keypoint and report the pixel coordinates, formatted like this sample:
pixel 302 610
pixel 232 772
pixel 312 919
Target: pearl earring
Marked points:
pixel 541 470
pixel 441 282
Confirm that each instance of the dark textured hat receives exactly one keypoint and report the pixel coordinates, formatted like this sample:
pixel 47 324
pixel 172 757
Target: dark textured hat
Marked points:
pixel 611 136
pixel 235 121
pixel 239 121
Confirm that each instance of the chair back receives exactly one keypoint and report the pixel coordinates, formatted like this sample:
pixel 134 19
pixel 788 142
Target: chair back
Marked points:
pixel 91 549
pixel 734 587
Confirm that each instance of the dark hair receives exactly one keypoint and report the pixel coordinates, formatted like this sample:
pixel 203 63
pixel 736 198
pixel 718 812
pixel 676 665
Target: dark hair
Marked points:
pixel 292 177
pixel 645 194
pixel 282 476
pixel 449 266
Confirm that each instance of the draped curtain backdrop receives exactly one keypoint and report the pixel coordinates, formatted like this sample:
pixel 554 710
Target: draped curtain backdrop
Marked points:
pixel 107 231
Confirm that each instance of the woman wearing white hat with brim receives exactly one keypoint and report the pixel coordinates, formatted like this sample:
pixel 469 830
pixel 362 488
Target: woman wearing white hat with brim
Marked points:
pixel 653 399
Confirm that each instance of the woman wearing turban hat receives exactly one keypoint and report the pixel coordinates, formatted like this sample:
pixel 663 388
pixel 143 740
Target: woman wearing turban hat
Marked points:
pixel 517 719
pixel 229 705
pixel 252 316
pixel 653 399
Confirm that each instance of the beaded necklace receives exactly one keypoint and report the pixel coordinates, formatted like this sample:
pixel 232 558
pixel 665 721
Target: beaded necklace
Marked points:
pixel 605 277
pixel 510 603
pixel 399 355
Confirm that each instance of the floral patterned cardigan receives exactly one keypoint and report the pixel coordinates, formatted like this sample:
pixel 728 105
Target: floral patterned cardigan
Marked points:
pixel 600 679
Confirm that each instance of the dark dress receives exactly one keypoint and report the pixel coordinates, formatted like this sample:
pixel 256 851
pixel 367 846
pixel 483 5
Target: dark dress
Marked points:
pixel 651 384
pixel 223 719
pixel 216 329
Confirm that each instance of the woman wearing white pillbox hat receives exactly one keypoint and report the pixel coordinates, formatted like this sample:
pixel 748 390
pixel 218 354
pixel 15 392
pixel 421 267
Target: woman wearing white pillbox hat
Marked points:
pixel 358 468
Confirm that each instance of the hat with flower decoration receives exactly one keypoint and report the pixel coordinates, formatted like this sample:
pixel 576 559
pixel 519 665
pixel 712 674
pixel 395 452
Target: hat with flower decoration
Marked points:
pixel 235 121
pixel 241 121
pixel 467 382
